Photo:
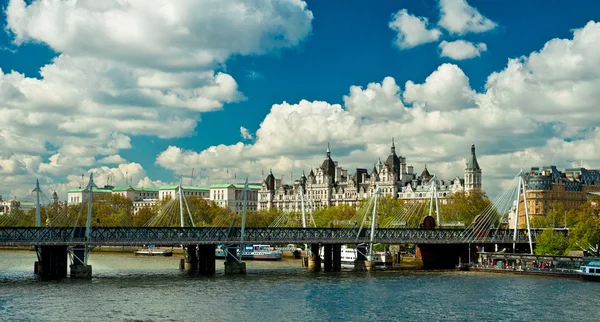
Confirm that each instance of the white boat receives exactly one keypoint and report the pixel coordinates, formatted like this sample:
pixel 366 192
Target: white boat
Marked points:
pixel 348 255
pixel 253 252
pixel 152 251
pixel 590 271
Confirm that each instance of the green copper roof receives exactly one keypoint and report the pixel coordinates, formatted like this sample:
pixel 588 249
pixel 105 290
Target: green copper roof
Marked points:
pixel 184 188
pixel 238 186
pixel 95 190
pixel 135 189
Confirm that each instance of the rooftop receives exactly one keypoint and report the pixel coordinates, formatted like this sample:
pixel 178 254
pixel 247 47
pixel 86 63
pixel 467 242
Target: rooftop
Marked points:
pixel 135 189
pixel 194 188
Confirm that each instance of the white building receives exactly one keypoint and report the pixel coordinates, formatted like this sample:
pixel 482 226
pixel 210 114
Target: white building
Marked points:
pixel 140 197
pixel 169 192
pixel 79 195
pixel 331 185
pixel 232 196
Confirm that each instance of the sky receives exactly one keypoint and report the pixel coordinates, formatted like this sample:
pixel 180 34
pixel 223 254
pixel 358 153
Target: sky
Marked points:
pixel 144 93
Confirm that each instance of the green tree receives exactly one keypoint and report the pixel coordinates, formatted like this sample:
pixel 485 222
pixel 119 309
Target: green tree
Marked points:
pixel 550 242
pixel 465 206
pixel 584 232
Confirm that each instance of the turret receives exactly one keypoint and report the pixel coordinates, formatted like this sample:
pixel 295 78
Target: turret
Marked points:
pixel 472 172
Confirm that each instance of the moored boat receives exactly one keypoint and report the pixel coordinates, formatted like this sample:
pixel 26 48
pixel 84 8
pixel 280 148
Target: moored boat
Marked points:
pixel 348 256
pixel 152 251
pixel 590 271
pixel 253 252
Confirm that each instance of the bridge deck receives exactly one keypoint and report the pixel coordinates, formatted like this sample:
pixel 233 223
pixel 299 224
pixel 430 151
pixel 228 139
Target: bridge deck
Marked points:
pixel 136 236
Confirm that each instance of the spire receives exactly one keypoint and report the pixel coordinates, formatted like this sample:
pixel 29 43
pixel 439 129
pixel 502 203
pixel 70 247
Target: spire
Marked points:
pixel 472 162
pixel 393 146
pixel 328 151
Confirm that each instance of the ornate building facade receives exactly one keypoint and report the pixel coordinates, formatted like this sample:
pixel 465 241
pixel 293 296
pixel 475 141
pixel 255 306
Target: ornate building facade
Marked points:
pixel 548 185
pixel 331 185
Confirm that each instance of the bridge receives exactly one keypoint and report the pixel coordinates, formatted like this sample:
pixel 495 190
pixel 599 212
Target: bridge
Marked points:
pixel 436 246
pixel 176 236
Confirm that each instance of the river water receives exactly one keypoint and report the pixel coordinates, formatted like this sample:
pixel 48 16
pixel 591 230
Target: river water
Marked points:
pixel 129 288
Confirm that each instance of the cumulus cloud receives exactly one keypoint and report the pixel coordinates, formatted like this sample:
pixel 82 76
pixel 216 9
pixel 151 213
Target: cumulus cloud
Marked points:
pixel 246 135
pixel 530 113
pixel 458 17
pixel 112 159
pixel 461 49
pixel 447 88
pixel 411 30
pixel 126 68
pixel 166 35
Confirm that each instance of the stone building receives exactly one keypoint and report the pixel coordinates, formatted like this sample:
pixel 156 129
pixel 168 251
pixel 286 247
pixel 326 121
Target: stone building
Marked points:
pixel 549 185
pixel 331 185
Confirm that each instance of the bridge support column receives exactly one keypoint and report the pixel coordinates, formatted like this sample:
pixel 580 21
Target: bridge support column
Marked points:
pixel 314 261
pixel 327 258
pixel 52 262
pixel 206 260
pixel 337 257
pixel 79 269
pixel 232 265
pixel 361 258
pixel 190 264
pixel 442 256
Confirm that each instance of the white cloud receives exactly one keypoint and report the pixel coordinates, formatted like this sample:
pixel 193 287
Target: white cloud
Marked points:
pixel 447 88
pixel 112 159
pixel 460 49
pixel 531 113
pixel 185 34
pixel 412 30
pixel 246 135
pixel 458 17
pixel 377 101
pixel 127 68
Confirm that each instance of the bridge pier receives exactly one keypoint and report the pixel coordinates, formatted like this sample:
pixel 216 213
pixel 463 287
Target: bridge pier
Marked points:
pixel 190 260
pixel 232 265
pixel 52 262
pixel 206 260
pixel 80 270
pixel 443 256
pixel 327 258
pixel 332 257
pixel 314 261
pixel 337 257
pixel 360 264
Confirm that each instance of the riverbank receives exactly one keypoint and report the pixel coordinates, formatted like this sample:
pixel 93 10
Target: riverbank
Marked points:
pixel 556 272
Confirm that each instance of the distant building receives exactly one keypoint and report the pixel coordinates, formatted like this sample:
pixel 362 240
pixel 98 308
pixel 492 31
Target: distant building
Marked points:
pixel 79 195
pixel 169 192
pixel 232 196
pixel 332 185
pixel 548 185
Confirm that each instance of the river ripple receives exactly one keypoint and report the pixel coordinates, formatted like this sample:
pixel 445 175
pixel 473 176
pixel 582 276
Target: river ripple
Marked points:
pixel 129 288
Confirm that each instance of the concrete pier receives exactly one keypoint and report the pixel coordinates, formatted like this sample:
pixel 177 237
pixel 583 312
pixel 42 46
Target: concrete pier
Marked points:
pixel 52 263
pixel 206 260
pixel 327 258
pixel 232 265
pixel 314 261
pixel 361 259
pixel 337 257
pixel 79 270
pixel 190 264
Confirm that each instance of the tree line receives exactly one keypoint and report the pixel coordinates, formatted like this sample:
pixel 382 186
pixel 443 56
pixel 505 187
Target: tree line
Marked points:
pixel 583 223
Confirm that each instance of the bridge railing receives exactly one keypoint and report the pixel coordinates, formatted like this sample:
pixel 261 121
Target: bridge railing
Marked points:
pixel 211 235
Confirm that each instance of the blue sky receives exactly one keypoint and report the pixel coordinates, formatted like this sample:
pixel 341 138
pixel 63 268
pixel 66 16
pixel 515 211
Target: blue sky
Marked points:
pixel 151 94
